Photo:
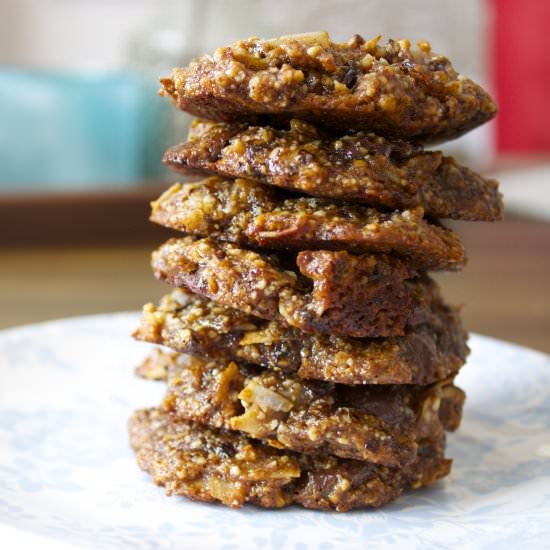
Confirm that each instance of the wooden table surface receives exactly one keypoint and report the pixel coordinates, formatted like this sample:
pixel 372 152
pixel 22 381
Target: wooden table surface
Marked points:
pixel 505 289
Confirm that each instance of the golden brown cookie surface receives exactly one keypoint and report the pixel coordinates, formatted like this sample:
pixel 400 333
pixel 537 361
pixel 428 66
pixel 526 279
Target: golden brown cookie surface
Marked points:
pixel 252 215
pixel 358 167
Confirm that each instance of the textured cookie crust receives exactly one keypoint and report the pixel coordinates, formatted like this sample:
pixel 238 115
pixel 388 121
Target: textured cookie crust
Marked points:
pixel 390 88
pixel 359 167
pixel 253 215
pixel 214 465
pixel 381 424
pixel 327 292
pixel 427 353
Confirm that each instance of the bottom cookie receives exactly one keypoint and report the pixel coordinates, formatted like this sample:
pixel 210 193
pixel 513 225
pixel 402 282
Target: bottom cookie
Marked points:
pixel 215 465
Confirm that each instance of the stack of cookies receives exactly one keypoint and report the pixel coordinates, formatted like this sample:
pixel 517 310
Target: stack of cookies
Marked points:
pixel 308 356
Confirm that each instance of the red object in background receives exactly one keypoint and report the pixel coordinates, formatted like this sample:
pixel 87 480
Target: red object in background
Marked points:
pixel 521 65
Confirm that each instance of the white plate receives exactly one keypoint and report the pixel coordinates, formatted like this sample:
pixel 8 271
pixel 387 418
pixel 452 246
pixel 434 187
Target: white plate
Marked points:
pixel 68 477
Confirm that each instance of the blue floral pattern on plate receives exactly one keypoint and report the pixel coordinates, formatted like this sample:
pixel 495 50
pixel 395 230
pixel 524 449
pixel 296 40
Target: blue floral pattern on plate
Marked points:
pixel 66 472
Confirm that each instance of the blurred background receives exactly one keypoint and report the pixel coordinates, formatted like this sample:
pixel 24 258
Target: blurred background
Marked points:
pixel 82 132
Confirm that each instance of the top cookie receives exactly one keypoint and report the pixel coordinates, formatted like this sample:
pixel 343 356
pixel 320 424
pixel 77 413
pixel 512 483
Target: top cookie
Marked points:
pixel 391 89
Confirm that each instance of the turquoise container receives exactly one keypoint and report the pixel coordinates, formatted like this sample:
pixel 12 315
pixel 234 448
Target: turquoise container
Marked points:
pixel 71 131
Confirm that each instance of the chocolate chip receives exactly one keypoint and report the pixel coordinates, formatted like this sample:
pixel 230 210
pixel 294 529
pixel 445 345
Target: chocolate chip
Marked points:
pixel 350 78
pixel 225 449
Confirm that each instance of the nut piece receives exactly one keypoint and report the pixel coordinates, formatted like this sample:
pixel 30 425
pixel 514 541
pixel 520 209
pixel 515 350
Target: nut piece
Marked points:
pixel 321 38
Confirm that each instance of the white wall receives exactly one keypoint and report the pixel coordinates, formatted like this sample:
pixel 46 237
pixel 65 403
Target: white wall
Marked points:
pixel 70 34
pixel 73 34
